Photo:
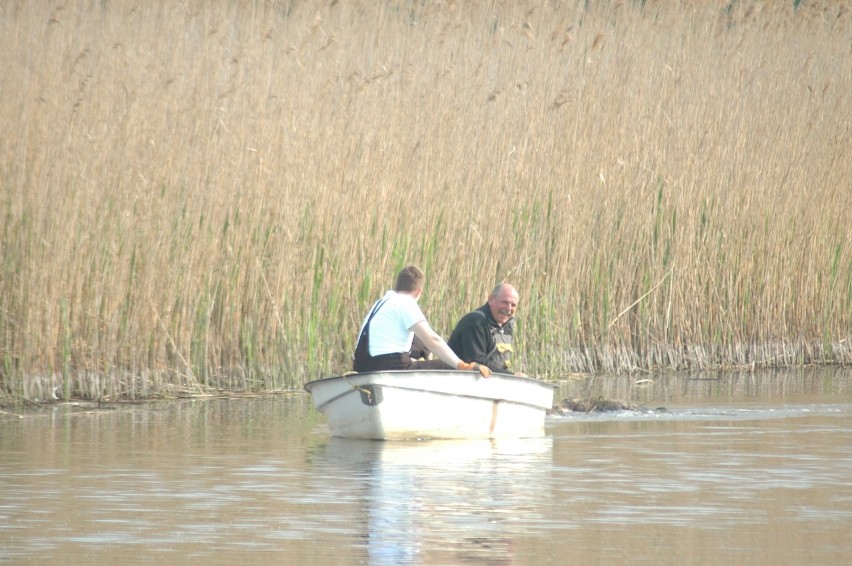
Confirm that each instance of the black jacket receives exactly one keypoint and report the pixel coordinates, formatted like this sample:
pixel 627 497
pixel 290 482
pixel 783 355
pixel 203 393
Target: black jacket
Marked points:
pixel 478 338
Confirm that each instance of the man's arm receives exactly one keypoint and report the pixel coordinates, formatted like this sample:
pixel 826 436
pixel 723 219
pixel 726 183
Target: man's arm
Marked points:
pixel 436 345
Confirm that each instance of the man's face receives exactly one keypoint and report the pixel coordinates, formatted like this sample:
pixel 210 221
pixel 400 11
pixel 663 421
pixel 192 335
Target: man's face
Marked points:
pixel 504 304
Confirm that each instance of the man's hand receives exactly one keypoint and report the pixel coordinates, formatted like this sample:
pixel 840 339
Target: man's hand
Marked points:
pixel 484 371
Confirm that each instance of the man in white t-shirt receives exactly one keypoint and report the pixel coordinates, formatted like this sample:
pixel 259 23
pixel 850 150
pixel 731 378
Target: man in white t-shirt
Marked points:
pixel 384 342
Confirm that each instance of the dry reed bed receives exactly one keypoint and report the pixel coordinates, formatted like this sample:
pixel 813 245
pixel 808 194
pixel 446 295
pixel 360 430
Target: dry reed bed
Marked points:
pixel 209 194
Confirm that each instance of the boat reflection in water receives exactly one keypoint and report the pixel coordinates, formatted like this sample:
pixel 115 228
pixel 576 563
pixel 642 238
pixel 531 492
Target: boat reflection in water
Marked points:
pixel 445 501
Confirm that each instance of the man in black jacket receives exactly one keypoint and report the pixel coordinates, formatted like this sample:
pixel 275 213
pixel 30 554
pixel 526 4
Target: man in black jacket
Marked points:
pixel 484 336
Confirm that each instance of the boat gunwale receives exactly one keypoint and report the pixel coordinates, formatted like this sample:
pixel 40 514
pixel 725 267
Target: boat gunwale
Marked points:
pixel 508 376
pixel 490 399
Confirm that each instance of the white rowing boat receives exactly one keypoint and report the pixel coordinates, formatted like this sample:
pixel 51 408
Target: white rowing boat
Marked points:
pixel 419 404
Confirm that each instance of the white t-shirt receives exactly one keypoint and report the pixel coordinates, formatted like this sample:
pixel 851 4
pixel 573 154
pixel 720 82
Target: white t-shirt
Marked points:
pixel 390 329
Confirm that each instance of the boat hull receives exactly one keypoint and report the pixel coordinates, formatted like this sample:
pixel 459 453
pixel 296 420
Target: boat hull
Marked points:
pixel 401 405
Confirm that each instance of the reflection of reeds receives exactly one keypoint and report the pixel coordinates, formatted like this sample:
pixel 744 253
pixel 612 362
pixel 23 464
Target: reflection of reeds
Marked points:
pixel 210 198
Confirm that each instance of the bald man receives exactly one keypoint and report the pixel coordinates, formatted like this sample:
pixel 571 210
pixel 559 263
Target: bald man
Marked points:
pixel 484 336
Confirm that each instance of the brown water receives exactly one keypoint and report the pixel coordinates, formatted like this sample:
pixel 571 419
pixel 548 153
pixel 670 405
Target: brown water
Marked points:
pixel 752 469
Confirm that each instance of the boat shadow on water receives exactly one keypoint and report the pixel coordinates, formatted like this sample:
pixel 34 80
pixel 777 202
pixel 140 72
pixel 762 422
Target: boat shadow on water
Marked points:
pixel 442 501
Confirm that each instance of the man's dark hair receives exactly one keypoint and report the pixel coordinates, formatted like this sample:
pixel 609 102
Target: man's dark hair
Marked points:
pixel 410 279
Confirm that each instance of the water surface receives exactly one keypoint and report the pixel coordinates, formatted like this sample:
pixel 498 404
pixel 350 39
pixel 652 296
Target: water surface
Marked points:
pixel 750 468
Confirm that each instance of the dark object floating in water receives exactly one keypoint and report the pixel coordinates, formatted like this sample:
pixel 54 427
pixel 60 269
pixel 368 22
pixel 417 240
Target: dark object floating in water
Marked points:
pixel 597 405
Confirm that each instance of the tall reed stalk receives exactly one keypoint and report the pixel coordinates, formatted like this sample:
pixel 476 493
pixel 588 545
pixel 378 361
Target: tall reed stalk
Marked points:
pixel 207 196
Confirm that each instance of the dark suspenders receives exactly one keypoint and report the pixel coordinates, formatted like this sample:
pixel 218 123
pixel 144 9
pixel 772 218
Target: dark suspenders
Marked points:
pixel 362 349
